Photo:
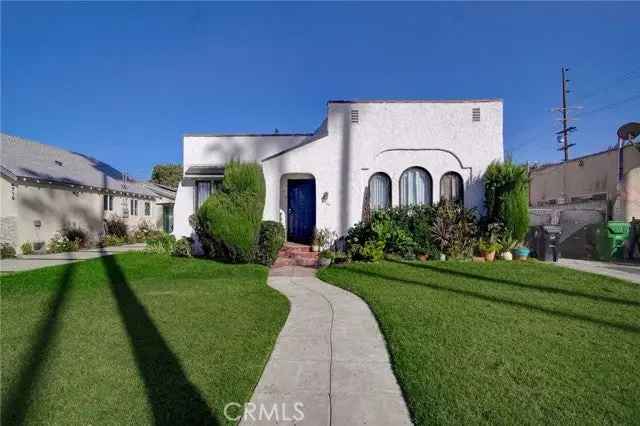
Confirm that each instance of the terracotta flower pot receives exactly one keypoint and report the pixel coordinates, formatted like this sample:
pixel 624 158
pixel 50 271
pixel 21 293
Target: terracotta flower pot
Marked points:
pixel 489 256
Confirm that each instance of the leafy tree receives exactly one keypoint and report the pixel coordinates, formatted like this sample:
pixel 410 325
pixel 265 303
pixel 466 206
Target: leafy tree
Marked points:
pixel 167 174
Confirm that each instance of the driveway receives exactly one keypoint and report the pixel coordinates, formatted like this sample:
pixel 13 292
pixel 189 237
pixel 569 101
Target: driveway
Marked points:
pixel 622 270
pixel 35 261
pixel 330 359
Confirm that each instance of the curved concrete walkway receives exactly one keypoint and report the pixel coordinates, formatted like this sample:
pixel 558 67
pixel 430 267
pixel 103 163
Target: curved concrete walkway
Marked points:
pixel 330 357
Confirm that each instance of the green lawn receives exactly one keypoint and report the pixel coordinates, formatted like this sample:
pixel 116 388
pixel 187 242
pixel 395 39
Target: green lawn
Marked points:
pixel 506 343
pixel 135 339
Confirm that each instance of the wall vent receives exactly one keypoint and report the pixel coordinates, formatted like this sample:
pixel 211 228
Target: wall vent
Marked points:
pixel 475 114
pixel 355 116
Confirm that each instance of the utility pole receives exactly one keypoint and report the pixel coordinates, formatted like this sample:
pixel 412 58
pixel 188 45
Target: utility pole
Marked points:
pixel 563 135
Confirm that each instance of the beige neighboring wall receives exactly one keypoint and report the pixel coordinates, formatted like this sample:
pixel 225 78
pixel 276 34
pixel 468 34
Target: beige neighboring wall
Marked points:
pixel 24 206
pixel 587 176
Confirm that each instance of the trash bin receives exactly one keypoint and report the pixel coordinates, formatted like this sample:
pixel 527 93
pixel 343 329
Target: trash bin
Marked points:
pixel 610 240
pixel 549 246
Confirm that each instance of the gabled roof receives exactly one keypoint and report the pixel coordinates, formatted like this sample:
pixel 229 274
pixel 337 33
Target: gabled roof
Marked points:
pixel 161 190
pixel 25 160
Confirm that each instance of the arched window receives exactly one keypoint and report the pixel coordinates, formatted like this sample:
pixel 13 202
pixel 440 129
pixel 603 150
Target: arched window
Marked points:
pixel 379 191
pixel 415 187
pixel 451 188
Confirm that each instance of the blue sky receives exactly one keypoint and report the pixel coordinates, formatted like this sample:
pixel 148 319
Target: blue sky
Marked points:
pixel 123 81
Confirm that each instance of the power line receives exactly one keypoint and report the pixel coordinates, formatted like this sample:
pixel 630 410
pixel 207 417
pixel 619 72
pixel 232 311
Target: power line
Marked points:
pixel 632 75
pixel 611 105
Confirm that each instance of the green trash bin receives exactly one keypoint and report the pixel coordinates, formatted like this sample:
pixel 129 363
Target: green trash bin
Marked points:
pixel 610 240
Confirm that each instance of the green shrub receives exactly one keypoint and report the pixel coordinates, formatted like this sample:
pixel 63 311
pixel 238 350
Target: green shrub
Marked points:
pixel 200 227
pixel 454 230
pixel 516 213
pixel 115 225
pixel 76 233
pixel 507 197
pixel 182 248
pixel 144 231
pixel 7 251
pixel 164 245
pixel 373 251
pixel 113 240
pixel 60 243
pixel 270 241
pixel 27 248
pixel 232 216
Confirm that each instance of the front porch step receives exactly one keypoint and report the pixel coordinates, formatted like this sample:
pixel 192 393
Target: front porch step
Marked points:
pixel 295 247
pixel 293 254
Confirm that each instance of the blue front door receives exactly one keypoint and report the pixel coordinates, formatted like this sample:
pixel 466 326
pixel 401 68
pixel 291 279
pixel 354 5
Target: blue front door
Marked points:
pixel 301 210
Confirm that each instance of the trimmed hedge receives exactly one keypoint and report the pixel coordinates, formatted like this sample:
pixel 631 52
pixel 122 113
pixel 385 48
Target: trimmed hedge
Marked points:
pixel 232 216
pixel 270 242
pixel 507 197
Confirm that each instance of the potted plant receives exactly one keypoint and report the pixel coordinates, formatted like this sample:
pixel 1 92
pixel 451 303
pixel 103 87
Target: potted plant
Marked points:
pixel 315 244
pixel 507 243
pixel 326 257
pixel 322 239
pixel 488 249
pixel 521 252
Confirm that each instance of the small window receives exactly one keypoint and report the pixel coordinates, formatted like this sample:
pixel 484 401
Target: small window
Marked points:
pixel 203 190
pixel 379 191
pixel 355 116
pixel 475 114
pixel 147 208
pixel 134 207
pixel 451 188
pixel 415 187
pixel 108 202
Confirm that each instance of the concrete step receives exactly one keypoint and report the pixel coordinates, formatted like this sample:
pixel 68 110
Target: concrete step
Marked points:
pixel 295 247
pixel 305 261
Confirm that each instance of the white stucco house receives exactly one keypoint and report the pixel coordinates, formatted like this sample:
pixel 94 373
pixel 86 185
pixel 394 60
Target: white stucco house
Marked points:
pixel 365 154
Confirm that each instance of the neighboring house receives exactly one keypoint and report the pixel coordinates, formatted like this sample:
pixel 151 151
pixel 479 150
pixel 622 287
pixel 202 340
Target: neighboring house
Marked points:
pixel 590 182
pixel 163 210
pixel 44 188
pixel 366 154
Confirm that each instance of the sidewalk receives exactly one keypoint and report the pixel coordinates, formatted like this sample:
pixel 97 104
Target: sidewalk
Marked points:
pixel 621 270
pixel 330 357
pixel 35 261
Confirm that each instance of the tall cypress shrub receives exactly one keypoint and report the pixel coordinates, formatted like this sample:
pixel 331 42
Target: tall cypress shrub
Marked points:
pixel 232 216
pixel 507 197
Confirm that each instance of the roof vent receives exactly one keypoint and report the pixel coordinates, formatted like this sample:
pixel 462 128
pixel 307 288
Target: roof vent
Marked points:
pixel 475 114
pixel 355 116
pixel 59 163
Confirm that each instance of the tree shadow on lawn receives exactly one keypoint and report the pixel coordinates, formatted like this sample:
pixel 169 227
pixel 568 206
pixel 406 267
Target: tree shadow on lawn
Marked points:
pixel 17 400
pixel 527 306
pixel 172 397
pixel 553 290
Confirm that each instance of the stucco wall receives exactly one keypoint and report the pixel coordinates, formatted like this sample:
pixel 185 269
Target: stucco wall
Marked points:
pixel 54 207
pixel 390 137
pixel 219 150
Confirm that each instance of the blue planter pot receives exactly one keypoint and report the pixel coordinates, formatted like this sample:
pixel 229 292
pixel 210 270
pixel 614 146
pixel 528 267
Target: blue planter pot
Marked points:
pixel 521 252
